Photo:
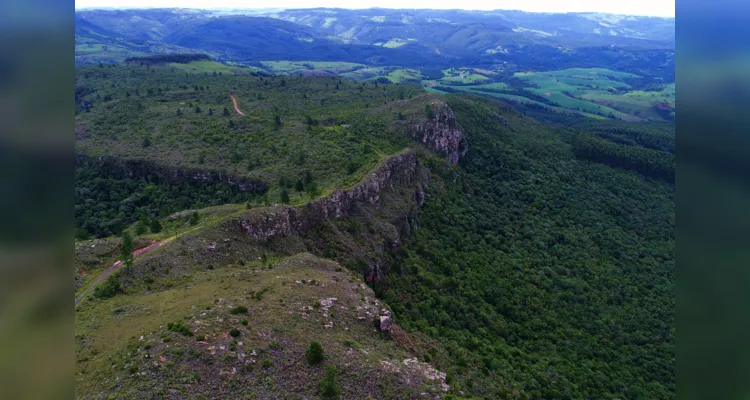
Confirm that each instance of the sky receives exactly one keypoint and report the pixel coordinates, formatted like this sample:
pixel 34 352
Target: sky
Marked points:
pixel 658 8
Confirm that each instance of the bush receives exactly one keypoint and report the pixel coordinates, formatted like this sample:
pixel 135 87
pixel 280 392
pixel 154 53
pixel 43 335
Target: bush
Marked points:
pixel 238 310
pixel 314 353
pixel 235 332
pixel 244 322
pixel 329 386
pixel 274 345
pixel 107 289
pixel 266 364
pixel 200 338
pixel 179 328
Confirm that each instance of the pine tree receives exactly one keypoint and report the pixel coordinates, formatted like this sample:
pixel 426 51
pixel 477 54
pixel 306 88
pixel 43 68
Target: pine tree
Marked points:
pixel 226 112
pixel 284 196
pixel 210 111
pixel 155 225
pixel 197 110
pixel 126 249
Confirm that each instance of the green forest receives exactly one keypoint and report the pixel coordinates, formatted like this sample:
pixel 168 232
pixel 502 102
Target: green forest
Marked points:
pixel 542 264
pixel 544 276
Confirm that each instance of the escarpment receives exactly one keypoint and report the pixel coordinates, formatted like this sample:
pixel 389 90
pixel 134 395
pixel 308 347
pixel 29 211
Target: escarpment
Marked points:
pixel 122 168
pixel 441 133
pixel 399 170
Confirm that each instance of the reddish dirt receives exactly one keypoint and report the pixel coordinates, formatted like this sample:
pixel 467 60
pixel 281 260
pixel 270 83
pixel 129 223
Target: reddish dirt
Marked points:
pixel 234 101
pixel 102 276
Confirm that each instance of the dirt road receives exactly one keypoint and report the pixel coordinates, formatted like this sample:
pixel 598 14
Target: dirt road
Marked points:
pixel 234 101
pixel 107 272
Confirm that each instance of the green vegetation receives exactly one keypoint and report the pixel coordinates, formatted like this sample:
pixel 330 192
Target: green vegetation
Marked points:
pixel 179 328
pixel 591 92
pixel 329 386
pixel 314 353
pixel 536 270
pixel 238 310
pixel 122 105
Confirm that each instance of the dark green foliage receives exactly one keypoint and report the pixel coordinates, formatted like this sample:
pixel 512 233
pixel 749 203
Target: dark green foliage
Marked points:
pixel 179 328
pixel 197 110
pixel 277 120
pixel 235 332
pixel 284 196
pixel 167 58
pixel 146 141
pixel 194 218
pixel 314 353
pixel 352 167
pixel 299 186
pixel 126 248
pixel 155 225
pixel 329 385
pixel 108 288
pixel 225 112
pixel 210 111
pixel 243 322
pixel 650 162
pixel 200 338
pixel 238 310
pixel 540 273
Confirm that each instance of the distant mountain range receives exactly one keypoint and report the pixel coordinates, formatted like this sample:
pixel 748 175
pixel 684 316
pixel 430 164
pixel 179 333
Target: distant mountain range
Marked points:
pixel 408 38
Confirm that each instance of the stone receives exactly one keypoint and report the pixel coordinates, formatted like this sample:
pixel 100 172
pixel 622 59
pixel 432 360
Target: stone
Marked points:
pixel 385 323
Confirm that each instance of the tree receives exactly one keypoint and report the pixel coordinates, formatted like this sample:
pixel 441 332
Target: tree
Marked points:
pixel 428 111
pixel 299 186
pixel 400 116
pixel 284 196
pixel 231 124
pixel 277 120
pixel 142 226
pixel 179 112
pixel 308 177
pixel 126 249
pixel 210 111
pixel 197 109
pixel 329 386
pixel 155 225
pixel 146 141
pixel 195 218
pixel 314 353
pixel 225 112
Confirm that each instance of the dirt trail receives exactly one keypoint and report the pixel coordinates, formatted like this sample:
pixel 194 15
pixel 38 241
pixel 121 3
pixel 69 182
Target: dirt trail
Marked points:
pixel 234 101
pixel 107 272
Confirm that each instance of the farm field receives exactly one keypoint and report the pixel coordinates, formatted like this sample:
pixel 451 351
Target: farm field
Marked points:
pixel 308 67
pixel 586 91
pixel 200 67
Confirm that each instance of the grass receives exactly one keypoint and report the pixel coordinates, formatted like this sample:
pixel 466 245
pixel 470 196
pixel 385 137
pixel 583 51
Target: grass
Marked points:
pixel 109 345
pixel 303 66
pixel 209 67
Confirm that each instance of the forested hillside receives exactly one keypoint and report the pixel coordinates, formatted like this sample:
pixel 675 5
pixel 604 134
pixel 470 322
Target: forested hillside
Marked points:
pixel 539 266
pixel 543 275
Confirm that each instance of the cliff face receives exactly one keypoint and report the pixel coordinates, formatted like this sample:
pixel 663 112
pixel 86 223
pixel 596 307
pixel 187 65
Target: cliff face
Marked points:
pixel 134 169
pixel 264 223
pixel 442 134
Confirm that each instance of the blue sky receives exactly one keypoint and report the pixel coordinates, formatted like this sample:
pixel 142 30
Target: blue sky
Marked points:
pixel 660 8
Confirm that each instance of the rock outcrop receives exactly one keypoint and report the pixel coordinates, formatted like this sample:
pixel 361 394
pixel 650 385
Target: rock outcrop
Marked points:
pixel 442 134
pixel 264 223
pixel 134 169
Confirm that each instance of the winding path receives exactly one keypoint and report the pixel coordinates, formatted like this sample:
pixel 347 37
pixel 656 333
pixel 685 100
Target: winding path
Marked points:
pixel 234 101
pixel 109 271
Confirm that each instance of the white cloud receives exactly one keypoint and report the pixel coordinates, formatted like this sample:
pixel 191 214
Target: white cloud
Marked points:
pixel 661 8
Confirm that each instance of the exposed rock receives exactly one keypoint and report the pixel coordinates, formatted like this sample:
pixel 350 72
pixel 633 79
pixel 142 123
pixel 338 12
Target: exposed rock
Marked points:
pixel 385 323
pixel 261 224
pixel 442 134
pixel 130 169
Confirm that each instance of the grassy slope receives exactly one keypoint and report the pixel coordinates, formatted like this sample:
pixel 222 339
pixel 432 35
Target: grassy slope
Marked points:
pixel 124 347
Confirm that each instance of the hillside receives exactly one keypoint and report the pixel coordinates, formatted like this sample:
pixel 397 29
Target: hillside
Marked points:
pixel 517 259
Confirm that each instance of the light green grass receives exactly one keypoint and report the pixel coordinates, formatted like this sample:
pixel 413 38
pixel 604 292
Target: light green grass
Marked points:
pixel 201 67
pixel 300 66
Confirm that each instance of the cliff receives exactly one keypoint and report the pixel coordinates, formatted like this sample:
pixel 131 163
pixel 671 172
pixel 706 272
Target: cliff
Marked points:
pixel 400 170
pixel 442 134
pixel 135 169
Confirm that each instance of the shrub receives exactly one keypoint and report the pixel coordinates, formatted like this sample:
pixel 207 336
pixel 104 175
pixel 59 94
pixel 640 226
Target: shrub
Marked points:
pixel 329 386
pixel 266 364
pixel 238 310
pixel 179 328
pixel 200 338
pixel 244 322
pixel 314 353
pixel 235 332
